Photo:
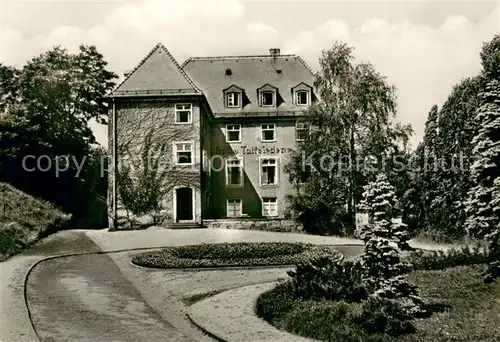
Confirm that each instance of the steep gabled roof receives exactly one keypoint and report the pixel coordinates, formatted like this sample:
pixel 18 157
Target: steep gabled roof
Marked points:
pixel 250 73
pixel 157 74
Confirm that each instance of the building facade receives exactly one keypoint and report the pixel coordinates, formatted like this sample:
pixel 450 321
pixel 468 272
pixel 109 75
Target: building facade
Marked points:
pixel 225 124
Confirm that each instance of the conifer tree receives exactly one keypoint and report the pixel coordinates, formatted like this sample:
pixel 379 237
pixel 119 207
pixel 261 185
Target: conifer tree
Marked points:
pixel 483 210
pixel 431 129
pixel 380 202
pixel 384 271
pixel 493 270
pixel 483 205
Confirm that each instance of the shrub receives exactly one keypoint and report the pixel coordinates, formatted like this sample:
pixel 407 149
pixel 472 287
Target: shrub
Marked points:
pixel 317 216
pixel 276 302
pixel 11 240
pixel 327 321
pixel 321 320
pixel 493 255
pixel 385 316
pixel 328 277
pixel 438 260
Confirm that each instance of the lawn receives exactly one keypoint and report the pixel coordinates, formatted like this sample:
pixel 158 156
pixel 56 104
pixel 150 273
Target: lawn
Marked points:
pixel 233 255
pixel 467 310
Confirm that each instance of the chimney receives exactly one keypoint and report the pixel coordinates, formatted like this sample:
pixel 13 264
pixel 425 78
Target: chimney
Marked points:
pixel 274 52
pixel 127 73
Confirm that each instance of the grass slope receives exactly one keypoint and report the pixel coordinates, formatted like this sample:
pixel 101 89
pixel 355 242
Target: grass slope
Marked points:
pixel 24 220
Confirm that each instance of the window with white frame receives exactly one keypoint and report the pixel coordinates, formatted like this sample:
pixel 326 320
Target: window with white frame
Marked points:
pixel 301 131
pixel 183 113
pixel 183 153
pixel 268 171
pixel 233 133
pixel 268 132
pixel 302 98
pixel 234 172
pixel 267 98
pixel 234 207
pixel 269 206
pixel 233 100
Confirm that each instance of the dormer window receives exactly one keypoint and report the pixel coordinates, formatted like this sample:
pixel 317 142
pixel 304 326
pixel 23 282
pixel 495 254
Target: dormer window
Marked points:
pixel 233 100
pixel 302 94
pixel 267 98
pixel 302 98
pixel 267 95
pixel 233 97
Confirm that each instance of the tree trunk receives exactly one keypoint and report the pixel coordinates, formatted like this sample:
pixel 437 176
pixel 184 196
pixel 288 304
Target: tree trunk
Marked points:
pixel 352 186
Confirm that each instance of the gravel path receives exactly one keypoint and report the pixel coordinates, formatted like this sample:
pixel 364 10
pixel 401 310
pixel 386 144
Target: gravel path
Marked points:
pixel 86 298
pixel 160 237
pixel 15 322
pixel 230 316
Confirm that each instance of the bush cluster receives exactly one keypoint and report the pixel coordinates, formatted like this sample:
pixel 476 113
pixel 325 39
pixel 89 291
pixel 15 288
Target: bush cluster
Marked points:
pixel 347 312
pixel 329 320
pixel 12 241
pixel 382 316
pixel 438 260
pixel 329 278
pixel 378 281
pixel 340 280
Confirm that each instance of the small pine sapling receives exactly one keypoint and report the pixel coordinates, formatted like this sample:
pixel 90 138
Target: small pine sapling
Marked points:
pixel 384 272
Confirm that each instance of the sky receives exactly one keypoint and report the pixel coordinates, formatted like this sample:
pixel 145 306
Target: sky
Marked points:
pixel 422 47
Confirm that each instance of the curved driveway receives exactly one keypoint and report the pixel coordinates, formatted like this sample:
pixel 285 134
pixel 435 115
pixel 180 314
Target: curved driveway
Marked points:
pixel 103 297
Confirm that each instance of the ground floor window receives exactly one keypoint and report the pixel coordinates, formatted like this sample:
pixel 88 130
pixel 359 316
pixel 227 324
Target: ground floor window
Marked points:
pixel 234 207
pixel 269 206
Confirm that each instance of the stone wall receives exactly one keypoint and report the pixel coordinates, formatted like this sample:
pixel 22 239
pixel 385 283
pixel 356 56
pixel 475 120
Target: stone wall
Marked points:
pixel 277 225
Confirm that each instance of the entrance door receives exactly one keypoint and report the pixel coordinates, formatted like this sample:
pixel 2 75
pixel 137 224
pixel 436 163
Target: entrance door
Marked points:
pixel 184 203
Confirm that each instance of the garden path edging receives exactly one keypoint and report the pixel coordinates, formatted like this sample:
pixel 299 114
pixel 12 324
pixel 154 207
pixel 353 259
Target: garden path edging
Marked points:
pixel 230 316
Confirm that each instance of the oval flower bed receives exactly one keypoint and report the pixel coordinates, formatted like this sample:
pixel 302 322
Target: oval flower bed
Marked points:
pixel 232 254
